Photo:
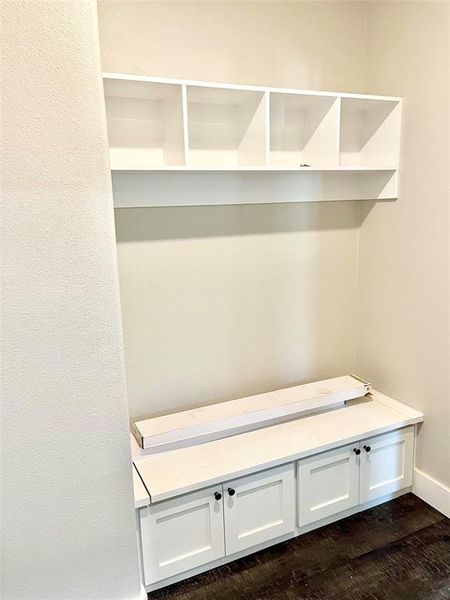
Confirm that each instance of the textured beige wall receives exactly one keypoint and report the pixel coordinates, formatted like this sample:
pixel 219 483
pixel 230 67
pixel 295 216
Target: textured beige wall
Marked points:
pixel 403 333
pixel 317 45
pixel 220 302
pixel 68 525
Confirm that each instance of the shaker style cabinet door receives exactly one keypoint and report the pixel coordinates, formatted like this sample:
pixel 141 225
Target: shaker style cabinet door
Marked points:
pixel 386 464
pixel 182 533
pixel 259 508
pixel 327 483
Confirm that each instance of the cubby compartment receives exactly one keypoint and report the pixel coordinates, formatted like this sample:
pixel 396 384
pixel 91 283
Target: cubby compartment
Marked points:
pixel 304 130
pixel 227 127
pixel 145 124
pixel 370 132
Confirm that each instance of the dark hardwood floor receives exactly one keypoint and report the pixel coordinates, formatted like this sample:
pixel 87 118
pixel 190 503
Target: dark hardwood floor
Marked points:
pixel 399 550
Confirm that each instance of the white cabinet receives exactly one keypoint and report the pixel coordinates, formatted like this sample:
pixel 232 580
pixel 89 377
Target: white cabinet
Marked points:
pixel 182 533
pixel 192 530
pixel 334 481
pixel 259 508
pixel 386 464
pixel 327 483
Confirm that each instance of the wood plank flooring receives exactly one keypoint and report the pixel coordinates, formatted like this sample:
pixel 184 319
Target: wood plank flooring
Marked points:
pixel 397 551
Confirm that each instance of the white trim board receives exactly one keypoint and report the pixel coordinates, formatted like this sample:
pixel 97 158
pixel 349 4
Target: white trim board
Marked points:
pixel 432 492
pixel 235 416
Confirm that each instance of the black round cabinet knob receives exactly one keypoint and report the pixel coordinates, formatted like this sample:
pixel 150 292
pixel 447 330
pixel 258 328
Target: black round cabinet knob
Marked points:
pixel 231 491
pixel 357 451
pixel 217 495
pixel 367 448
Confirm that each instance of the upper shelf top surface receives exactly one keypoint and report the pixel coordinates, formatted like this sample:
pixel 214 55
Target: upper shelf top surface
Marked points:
pixel 231 86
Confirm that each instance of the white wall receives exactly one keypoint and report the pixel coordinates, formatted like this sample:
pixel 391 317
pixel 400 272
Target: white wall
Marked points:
pixel 221 302
pixel 68 519
pixel 403 325
pixel 225 301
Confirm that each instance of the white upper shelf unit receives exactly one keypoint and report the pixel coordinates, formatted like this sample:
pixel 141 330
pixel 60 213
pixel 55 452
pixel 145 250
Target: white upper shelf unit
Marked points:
pixel 156 123
pixel 168 125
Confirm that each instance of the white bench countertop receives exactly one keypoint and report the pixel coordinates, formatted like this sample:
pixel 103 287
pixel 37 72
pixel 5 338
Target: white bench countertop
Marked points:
pixel 176 472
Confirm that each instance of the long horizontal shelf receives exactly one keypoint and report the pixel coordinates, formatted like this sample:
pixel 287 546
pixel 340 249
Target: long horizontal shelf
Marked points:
pixel 215 420
pixel 173 473
pixel 184 169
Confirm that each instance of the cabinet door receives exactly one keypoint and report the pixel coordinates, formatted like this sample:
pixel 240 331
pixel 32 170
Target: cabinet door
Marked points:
pixel 327 483
pixel 386 463
pixel 259 508
pixel 181 534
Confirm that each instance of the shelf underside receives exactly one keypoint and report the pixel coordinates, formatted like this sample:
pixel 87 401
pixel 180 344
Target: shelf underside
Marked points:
pixel 214 187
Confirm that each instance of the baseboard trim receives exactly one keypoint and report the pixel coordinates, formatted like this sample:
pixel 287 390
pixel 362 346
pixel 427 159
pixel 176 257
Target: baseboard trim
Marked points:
pixel 432 492
pixel 142 595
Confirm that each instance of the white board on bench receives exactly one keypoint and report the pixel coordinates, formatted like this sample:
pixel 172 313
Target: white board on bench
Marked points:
pixel 214 421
